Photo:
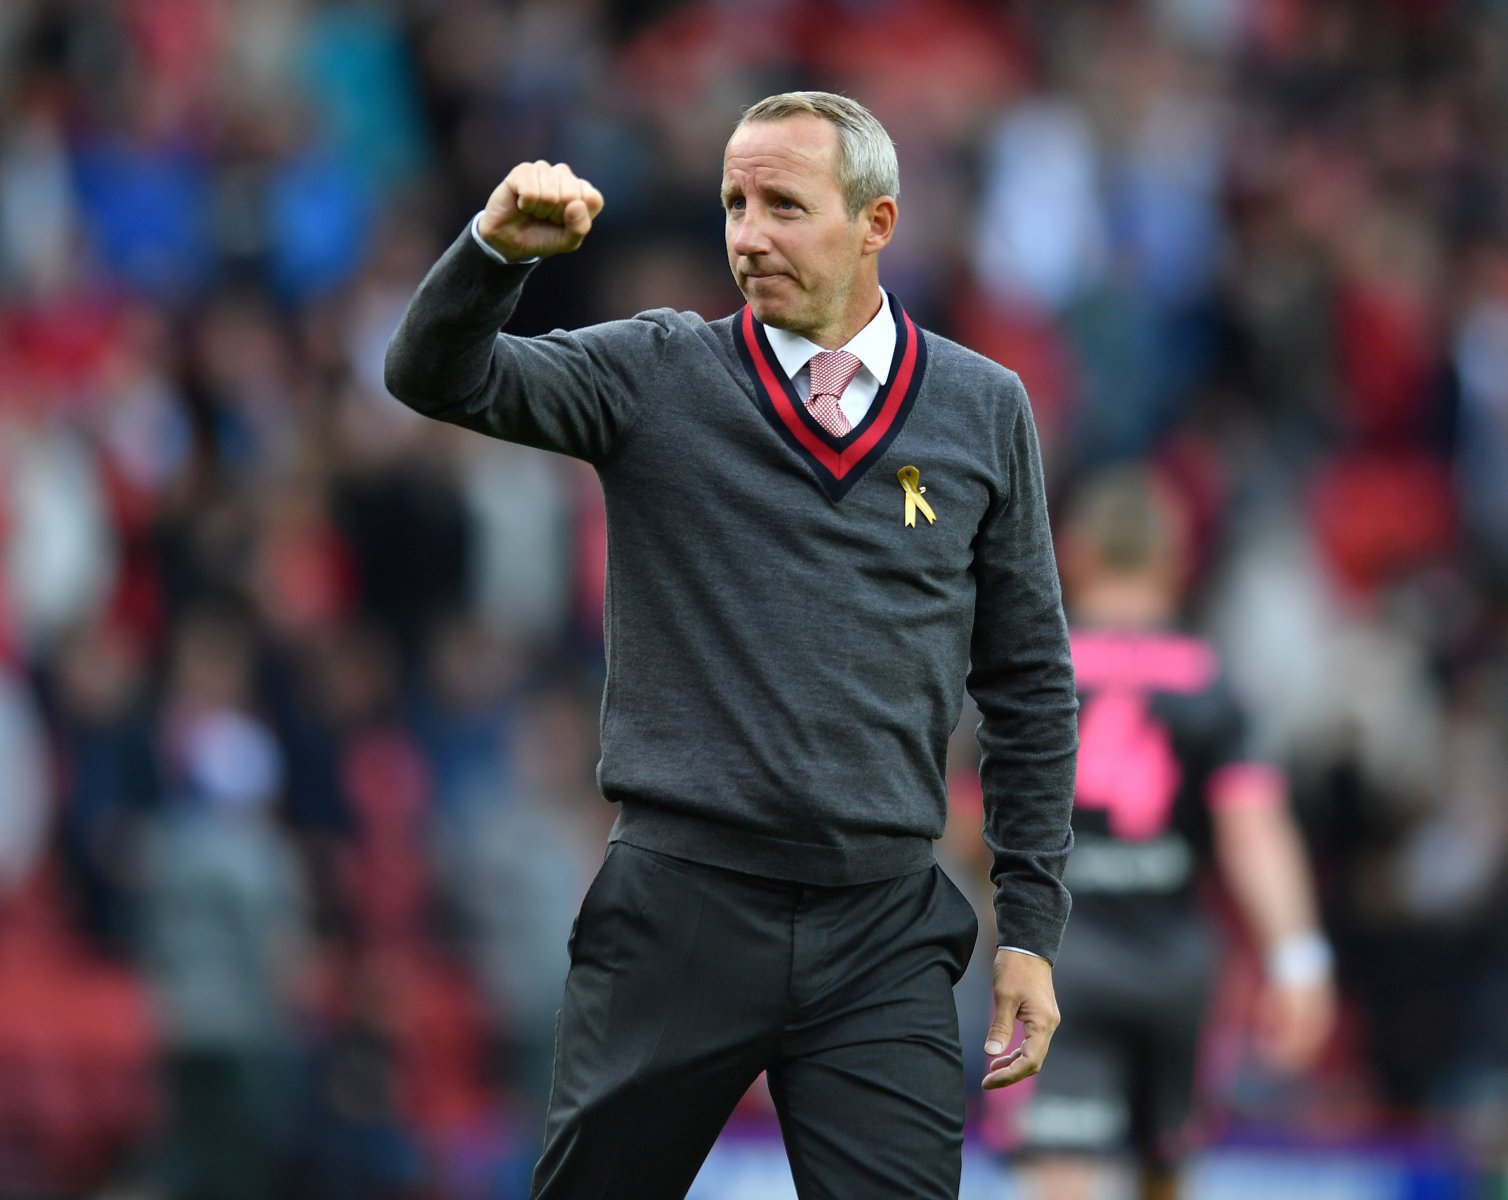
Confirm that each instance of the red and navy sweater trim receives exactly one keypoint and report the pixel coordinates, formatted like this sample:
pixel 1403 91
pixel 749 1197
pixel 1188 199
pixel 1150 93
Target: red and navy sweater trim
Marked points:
pixel 837 462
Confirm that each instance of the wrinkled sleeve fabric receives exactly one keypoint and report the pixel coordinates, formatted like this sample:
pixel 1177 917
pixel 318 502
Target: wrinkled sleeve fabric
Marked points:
pixel 573 392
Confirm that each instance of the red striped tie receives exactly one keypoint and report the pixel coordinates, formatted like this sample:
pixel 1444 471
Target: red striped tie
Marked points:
pixel 832 372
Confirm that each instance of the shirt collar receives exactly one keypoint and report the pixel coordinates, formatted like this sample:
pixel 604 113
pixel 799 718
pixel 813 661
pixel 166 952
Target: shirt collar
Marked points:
pixel 874 345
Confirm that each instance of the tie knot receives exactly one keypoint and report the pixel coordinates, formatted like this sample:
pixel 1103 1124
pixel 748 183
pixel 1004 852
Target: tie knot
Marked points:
pixel 833 371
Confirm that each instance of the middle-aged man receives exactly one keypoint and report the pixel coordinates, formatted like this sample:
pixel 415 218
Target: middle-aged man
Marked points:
pixel 823 523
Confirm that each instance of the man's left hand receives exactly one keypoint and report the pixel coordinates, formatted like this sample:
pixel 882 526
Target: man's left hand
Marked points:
pixel 1023 992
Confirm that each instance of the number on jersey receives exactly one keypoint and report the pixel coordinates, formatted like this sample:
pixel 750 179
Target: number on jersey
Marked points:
pixel 1126 765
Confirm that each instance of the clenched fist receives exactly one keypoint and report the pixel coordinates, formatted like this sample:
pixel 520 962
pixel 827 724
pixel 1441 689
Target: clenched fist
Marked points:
pixel 538 210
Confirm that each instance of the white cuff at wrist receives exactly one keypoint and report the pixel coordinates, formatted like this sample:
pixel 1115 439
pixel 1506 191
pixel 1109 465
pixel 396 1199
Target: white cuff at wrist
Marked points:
pixel 476 235
pixel 1300 959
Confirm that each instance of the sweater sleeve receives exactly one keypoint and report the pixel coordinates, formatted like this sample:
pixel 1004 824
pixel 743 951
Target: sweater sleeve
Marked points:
pixel 1021 676
pixel 573 392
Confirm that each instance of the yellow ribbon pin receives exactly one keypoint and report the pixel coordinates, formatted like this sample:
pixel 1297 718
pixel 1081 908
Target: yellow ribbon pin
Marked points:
pixel 911 480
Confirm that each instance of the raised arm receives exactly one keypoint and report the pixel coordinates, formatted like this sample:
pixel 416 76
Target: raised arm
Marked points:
pixel 573 392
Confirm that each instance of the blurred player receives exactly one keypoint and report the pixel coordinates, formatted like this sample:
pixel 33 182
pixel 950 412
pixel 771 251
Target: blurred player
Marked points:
pixel 1165 785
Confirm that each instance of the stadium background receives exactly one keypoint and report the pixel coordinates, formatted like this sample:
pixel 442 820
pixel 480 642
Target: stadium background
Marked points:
pixel 298 693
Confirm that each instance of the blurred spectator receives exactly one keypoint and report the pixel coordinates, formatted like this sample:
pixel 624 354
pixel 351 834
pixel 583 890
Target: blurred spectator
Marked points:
pixel 98 693
pixel 1481 366
pixel 1042 234
pixel 26 785
pixel 59 553
pixel 520 512
pixel 517 857
pixel 465 710
pixel 38 207
pixel 357 1144
pixel 224 931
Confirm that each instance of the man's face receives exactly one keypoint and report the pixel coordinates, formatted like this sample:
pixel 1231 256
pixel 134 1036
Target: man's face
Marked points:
pixel 797 256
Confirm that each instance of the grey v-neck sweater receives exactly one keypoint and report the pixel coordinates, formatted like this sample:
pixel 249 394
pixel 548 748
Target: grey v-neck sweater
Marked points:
pixel 785 656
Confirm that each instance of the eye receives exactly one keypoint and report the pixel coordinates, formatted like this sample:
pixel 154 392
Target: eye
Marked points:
pixel 734 204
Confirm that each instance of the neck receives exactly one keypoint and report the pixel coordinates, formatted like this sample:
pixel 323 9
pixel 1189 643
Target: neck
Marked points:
pixel 853 324
pixel 1133 602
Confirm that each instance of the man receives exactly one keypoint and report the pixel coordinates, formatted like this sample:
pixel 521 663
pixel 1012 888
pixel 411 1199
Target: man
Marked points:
pixel 807 560
pixel 1165 783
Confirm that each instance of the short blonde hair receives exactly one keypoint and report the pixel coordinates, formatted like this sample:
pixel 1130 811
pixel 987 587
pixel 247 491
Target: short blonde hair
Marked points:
pixel 867 166
pixel 1129 519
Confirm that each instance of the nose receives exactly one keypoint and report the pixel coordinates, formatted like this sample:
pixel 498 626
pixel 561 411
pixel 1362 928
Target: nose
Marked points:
pixel 748 236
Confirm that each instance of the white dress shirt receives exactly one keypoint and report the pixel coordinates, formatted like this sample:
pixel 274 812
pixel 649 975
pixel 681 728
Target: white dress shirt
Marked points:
pixel 874 346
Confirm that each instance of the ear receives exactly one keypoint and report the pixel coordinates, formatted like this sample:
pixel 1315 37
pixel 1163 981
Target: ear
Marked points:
pixel 878 219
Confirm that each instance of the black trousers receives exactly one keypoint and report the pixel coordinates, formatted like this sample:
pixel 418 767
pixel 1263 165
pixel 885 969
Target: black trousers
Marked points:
pixel 687 981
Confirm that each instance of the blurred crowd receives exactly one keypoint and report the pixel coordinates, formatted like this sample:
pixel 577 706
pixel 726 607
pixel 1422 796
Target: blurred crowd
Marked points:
pixel 298 691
